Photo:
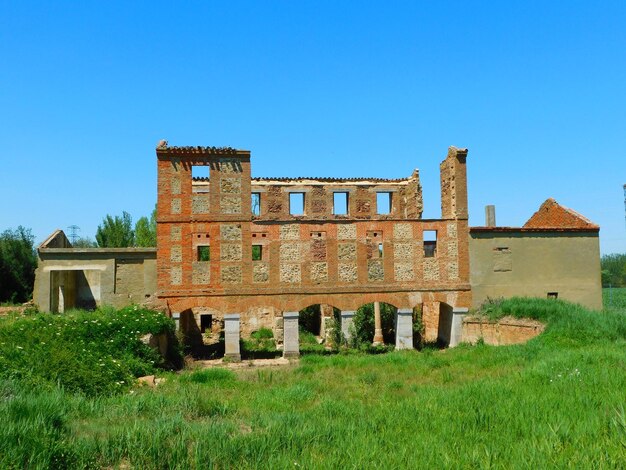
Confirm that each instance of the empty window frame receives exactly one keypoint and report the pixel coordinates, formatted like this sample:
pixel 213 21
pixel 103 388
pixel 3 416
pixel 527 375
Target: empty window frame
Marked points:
pixel 380 250
pixel 340 203
pixel 383 202
pixel 206 322
pixel 296 203
pixel 553 295
pixel 256 203
pixel 257 252
pixel 200 172
pixel 203 253
pixel 430 243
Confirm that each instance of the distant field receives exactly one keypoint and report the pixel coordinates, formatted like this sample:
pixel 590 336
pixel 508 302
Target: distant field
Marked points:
pixel 558 401
pixel 614 298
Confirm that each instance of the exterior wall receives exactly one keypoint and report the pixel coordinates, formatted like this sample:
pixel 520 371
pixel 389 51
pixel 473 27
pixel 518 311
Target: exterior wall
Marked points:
pixel 506 331
pixel 314 258
pixel 94 276
pixel 518 262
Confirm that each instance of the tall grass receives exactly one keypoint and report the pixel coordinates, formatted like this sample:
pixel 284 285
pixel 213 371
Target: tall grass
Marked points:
pixel 558 401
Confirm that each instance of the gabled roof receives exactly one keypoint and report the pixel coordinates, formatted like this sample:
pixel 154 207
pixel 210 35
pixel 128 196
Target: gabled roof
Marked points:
pixel 553 215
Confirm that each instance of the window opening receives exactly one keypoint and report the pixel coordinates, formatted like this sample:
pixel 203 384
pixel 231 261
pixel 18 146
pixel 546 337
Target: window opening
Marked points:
pixel 206 322
pixel 257 252
pixel 296 203
pixel 200 172
pixel 553 295
pixel 340 203
pixel 380 250
pixel 256 203
pixel 430 243
pixel 383 203
pixel 204 253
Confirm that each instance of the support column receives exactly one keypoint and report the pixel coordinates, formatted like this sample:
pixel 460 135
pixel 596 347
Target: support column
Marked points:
pixel 347 318
pixel 430 320
pixel 231 337
pixel 378 328
pixel 404 329
pixel 291 335
pixel 176 318
pixel 456 329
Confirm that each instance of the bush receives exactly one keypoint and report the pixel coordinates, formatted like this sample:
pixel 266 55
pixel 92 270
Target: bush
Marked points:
pixel 93 353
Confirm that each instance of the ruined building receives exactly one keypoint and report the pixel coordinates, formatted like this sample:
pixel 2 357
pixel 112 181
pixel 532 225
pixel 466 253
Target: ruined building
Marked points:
pixel 238 253
pixel 265 248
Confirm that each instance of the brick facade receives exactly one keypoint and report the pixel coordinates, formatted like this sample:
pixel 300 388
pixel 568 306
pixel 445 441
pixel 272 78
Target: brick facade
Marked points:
pixel 206 231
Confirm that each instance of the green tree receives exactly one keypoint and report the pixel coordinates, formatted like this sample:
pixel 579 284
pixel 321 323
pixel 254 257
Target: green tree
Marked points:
pixel 145 231
pixel 116 232
pixel 18 261
pixel 614 270
pixel 84 242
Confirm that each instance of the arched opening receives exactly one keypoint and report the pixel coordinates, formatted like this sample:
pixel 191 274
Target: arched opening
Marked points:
pixel 316 323
pixel 364 325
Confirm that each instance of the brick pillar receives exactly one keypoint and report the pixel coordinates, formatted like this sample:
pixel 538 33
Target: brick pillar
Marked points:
pixel 404 329
pixel 378 329
pixel 231 337
pixel 291 338
pixel 456 329
pixel 346 322
pixel 430 319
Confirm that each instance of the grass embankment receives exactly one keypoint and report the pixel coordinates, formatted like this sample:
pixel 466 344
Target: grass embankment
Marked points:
pixel 557 401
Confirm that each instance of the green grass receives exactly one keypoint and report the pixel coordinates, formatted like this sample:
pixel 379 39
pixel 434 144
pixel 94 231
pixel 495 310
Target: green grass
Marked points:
pixel 558 401
pixel 614 298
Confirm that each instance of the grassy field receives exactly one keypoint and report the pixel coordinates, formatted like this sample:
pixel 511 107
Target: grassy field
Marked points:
pixel 558 401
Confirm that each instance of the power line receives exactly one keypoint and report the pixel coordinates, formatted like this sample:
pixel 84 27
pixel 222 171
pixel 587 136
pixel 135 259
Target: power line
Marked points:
pixel 74 229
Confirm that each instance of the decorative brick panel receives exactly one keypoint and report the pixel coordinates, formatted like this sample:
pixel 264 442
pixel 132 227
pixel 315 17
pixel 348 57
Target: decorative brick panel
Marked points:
pixel 318 250
pixel 453 270
pixel 230 204
pixel 346 251
pixel 346 232
pixel 431 269
pixel 200 204
pixel 230 232
pixel 175 182
pixel 260 272
pixel 176 206
pixel 201 273
pixel 375 270
pixel 290 272
pixel 231 274
pixel 402 231
pixel 175 233
pixel 176 275
pixel 231 252
pixel 290 232
pixel 403 251
pixel 319 272
pixel 231 185
pixel 176 254
pixel 347 272
pixel 290 252
pixel 404 272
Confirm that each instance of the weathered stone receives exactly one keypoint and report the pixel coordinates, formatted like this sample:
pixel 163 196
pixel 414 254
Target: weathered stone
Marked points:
pixel 403 251
pixel 175 185
pixel 375 271
pixel 319 272
pixel 431 269
pixel 404 329
pixel 363 206
pixel 291 345
pixel 232 337
pixel 290 272
pixel 290 232
pixel 346 251
pixel 229 166
pixel 231 274
pixel 231 185
pixel 260 272
pixel 346 232
pixel 318 250
pixel 200 204
pixel 175 206
pixel 318 206
pixel 176 275
pixel 404 272
pixel 451 229
pixel 231 252
pixel 453 248
pixel 230 232
pixel 290 251
pixel 176 253
pixel 402 231
pixel 453 270
pixel 347 272
pixel 175 233
pixel 347 319
pixel 230 204
pixel 201 272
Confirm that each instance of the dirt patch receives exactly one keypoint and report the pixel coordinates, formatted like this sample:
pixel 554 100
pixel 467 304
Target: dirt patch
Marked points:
pixel 251 364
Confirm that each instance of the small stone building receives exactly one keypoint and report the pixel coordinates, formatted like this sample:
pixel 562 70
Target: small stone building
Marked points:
pixel 68 277
pixel 556 254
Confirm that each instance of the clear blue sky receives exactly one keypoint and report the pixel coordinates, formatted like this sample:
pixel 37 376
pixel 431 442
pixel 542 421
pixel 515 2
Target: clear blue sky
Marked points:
pixel 536 90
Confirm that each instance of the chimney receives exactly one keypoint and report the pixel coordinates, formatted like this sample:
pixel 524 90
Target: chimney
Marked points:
pixel 490 216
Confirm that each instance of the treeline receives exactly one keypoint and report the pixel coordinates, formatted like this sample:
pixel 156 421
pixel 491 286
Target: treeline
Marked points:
pixel 614 270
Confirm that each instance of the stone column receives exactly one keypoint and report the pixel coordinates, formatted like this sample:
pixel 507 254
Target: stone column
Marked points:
pixel 291 335
pixel 176 318
pixel 404 329
pixel 456 330
pixel 231 337
pixel 378 329
pixel 430 320
pixel 347 318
